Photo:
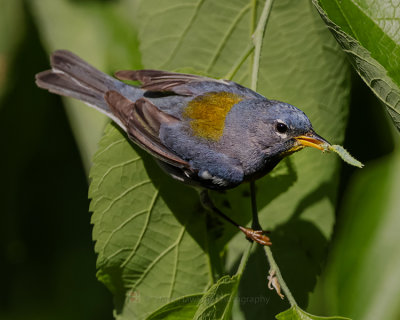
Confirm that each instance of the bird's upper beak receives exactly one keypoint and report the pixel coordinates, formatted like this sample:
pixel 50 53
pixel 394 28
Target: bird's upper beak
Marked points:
pixel 311 139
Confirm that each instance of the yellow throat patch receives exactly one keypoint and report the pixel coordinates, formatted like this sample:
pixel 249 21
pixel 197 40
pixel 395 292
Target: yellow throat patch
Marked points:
pixel 208 113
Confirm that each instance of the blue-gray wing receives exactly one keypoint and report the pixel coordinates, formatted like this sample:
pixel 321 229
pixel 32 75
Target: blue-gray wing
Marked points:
pixel 166 138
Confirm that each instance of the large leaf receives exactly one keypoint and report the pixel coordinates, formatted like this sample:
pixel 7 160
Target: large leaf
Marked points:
pixel 300 64
pixel 295 313
pixel 146 256
pixel 181 309
pixel 362 280
pixel 217 302
pixel 101 33
pixel 297 200
pixel 368 32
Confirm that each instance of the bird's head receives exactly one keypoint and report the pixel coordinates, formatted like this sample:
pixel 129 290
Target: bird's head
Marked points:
pixel 291 130
pixel 279 129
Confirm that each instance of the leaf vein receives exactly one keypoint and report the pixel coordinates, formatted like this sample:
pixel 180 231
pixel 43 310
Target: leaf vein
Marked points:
pixel 174 8
pixel 185 31
pixel 114 167
pixel 107 148
pixel 150 209
pixel 113 201
pixel 345 17
pixel 158 258
pixel 218 300
pixel 137 214
pixel 227 35
pixel 175 268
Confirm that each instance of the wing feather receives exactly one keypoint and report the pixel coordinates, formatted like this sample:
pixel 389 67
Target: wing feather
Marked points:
pixel 182 83
pixel 163 81
pixel 143 120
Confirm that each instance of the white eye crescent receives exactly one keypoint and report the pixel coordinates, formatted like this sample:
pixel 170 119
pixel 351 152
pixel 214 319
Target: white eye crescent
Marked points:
pixel 281 127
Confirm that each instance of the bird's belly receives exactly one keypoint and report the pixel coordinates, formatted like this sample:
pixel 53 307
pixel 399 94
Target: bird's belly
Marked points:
pixel 261 169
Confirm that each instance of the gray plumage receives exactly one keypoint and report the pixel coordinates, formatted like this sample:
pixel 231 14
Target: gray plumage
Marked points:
pixel 153 116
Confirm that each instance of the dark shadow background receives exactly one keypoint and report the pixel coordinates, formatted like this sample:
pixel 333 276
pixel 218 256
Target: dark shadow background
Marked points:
pixel 47 260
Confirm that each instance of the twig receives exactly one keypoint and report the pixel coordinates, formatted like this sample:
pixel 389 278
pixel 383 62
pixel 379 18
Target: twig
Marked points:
pixel 239 63
pixel 278 275
pixel 258 36
pixel 245 257
pixel 257 40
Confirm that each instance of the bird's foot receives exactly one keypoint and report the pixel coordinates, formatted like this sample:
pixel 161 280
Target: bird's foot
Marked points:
pixel 256 235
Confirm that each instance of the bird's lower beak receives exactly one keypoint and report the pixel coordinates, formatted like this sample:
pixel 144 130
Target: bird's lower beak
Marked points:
pixel 312 139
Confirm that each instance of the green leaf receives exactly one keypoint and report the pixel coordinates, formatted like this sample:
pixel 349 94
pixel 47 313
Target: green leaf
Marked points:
pixel 301 65
pixel 181 309
pixel 151 248
pixel 366 255
pixel 217 301
pixel 368 33
pixel 295 313
pixel 106 39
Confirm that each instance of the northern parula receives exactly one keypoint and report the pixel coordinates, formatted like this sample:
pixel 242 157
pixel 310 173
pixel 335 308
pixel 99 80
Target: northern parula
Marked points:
pixel 214 134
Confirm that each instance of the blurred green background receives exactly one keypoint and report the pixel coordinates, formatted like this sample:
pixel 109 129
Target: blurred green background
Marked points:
pixel 46 252
pixel 47 259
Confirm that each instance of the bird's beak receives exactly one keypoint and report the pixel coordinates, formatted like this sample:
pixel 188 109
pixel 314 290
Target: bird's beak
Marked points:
pixel 312 139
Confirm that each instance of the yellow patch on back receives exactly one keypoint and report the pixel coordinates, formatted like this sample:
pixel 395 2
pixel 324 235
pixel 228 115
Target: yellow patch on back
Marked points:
pixel 208 113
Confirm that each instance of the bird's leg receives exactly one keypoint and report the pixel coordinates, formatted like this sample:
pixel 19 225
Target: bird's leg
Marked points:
pixel 254 234
pixel 254 213
pixel 255 225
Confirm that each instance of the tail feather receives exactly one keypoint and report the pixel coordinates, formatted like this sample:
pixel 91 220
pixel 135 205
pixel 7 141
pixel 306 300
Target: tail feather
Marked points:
pixel 63 84
pixel 72 77
pixel 69 63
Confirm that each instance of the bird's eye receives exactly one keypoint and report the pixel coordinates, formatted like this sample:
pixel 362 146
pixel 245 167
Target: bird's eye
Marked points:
pixel 281 127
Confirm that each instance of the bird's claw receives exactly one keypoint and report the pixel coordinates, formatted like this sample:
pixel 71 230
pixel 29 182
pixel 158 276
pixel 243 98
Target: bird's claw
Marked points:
pixel 257 236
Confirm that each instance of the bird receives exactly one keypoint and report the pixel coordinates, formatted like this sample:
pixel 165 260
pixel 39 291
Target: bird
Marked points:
pixel 212 134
